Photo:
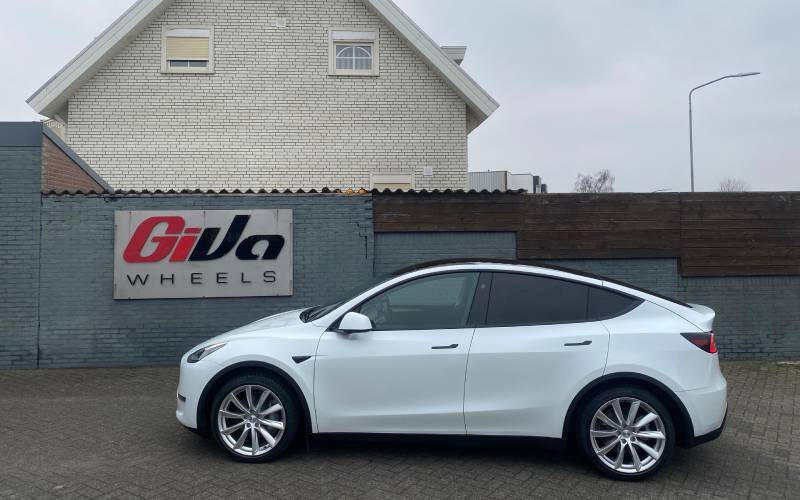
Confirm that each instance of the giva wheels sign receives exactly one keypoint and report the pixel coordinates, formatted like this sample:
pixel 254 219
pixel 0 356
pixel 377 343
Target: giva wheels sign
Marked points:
pixel 202 253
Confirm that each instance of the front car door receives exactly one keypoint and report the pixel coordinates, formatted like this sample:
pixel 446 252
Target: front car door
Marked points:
pixel 541 343
pixel 407 374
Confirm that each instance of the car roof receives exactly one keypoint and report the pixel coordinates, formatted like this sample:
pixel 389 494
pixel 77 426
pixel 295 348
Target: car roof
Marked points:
pixel 530 266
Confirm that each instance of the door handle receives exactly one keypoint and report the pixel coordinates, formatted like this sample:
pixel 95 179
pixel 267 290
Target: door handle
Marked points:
pixel 579 344
pixel 442 347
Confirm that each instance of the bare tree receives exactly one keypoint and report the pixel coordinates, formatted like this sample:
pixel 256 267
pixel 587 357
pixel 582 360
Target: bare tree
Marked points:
pixel 601 182
pixel 733 185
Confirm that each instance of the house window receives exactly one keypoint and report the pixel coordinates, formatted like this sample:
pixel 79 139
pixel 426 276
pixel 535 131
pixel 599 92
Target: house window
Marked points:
pixel 187 50
pixel 353 57
pixel 354 53
pixel 392 182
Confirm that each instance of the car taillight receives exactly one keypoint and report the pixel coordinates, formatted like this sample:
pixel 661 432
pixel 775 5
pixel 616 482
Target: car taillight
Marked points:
pixel 704 341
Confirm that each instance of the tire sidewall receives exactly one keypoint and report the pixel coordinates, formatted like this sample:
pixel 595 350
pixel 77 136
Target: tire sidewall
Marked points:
pixel 290 408
pixel 603 397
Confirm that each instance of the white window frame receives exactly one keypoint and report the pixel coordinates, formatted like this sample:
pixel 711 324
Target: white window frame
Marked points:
pixel 353 36
pixel 392 179
pixel 166 68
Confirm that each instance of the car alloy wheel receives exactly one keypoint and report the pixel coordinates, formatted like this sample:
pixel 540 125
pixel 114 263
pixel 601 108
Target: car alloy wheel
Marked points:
pixel 627 435
pixel 251 420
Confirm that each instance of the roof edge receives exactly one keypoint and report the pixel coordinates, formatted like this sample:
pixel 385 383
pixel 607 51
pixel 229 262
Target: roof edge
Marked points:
pixel 478 99
pixel 55 91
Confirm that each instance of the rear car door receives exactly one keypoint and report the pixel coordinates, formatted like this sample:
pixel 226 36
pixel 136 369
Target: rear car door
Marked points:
pixel 407 374
pixel 540 344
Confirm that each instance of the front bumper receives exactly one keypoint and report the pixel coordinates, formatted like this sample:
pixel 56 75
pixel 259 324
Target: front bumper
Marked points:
pixel 194 377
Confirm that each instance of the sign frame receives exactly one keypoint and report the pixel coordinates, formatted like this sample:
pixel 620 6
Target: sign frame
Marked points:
pixel 197 254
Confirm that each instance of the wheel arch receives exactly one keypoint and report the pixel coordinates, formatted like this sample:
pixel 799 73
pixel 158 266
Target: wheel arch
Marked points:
pixel 207 396
pixel 677 410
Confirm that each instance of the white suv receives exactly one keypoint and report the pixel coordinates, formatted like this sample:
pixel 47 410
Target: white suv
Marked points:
pixel 468 350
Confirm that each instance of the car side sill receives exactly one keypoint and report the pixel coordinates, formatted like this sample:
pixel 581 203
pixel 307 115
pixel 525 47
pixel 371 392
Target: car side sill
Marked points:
pixel 556 444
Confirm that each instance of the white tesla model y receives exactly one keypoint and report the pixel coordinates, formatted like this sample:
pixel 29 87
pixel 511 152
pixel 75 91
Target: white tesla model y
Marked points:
pixel 469 350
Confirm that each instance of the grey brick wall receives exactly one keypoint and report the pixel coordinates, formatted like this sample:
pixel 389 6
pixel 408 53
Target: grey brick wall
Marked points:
pixel 20 173
pixel 394 251
pixel 83 326
pixel 757 318
pixel 658 275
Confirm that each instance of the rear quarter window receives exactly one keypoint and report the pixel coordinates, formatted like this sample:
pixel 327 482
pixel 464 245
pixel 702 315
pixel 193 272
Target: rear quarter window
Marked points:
pixel 605 304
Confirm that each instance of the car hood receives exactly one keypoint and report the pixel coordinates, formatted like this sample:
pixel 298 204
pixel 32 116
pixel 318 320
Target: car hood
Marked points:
pixel 281 320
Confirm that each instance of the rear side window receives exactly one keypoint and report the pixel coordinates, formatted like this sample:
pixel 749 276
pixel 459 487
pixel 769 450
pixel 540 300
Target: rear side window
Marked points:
pixel 604 304
pixel 524 299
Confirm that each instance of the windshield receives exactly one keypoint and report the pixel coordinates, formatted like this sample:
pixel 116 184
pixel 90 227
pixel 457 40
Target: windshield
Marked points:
pixel 316 312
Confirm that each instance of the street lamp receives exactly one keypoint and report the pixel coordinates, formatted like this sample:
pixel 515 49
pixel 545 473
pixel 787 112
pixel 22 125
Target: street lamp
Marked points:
pixel 691 134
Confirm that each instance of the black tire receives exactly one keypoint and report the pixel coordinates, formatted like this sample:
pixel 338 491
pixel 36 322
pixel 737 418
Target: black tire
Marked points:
pixel 628 394
pixel 291 414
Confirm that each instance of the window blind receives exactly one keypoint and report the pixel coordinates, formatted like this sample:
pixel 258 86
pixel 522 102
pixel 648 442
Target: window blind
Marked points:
pixel 187 48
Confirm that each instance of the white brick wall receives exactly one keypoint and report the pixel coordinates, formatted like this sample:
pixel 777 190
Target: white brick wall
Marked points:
pixel 270 116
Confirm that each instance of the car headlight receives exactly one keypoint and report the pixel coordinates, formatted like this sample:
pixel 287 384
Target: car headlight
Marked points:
pixel 202 353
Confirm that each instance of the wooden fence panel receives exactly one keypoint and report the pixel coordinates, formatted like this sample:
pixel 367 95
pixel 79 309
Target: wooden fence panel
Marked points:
pixel 740 234
pixel 713 234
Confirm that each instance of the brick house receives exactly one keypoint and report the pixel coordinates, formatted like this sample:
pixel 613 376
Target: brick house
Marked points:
pixel 227 94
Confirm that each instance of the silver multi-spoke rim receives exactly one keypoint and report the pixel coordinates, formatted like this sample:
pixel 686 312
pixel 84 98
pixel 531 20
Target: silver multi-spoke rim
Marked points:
pixel 251 420
pixel 628 435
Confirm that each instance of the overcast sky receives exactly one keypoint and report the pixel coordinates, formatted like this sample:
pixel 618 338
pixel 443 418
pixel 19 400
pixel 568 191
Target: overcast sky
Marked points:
pixel 583 85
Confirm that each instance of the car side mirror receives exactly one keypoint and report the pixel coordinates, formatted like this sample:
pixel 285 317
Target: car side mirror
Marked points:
pixel 354 322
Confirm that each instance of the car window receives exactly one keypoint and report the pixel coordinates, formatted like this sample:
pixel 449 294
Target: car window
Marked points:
pixel 524 299
pixel 434 302
pixel 604 304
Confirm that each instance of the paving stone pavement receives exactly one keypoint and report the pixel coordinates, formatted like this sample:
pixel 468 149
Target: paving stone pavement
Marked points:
pixel 111 433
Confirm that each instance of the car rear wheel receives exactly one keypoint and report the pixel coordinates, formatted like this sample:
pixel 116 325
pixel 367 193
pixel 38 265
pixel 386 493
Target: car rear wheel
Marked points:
pixel 626 433
pixel 254 418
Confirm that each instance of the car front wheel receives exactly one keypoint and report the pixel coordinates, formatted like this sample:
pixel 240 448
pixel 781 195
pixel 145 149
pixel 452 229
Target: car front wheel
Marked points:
pixel 254 418
pixel 626 433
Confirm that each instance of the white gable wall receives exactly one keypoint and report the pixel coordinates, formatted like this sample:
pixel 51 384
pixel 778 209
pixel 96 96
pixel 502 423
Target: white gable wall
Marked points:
pixel 270 116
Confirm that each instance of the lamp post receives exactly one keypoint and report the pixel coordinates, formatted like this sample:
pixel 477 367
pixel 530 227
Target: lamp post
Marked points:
pixel 691 133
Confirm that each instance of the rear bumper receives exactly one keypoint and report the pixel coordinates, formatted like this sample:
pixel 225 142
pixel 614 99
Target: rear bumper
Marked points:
pixel 708 409
pixel 710 436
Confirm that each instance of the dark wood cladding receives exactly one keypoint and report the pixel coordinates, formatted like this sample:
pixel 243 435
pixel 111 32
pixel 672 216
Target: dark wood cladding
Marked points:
pixel 740 234
pixel 448 212
pixel 574 226
pixel 713 234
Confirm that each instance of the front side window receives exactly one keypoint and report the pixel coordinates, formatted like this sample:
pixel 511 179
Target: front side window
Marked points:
pixel 525 299
pixel 187 50
pixel 354 52
pixel 435 302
